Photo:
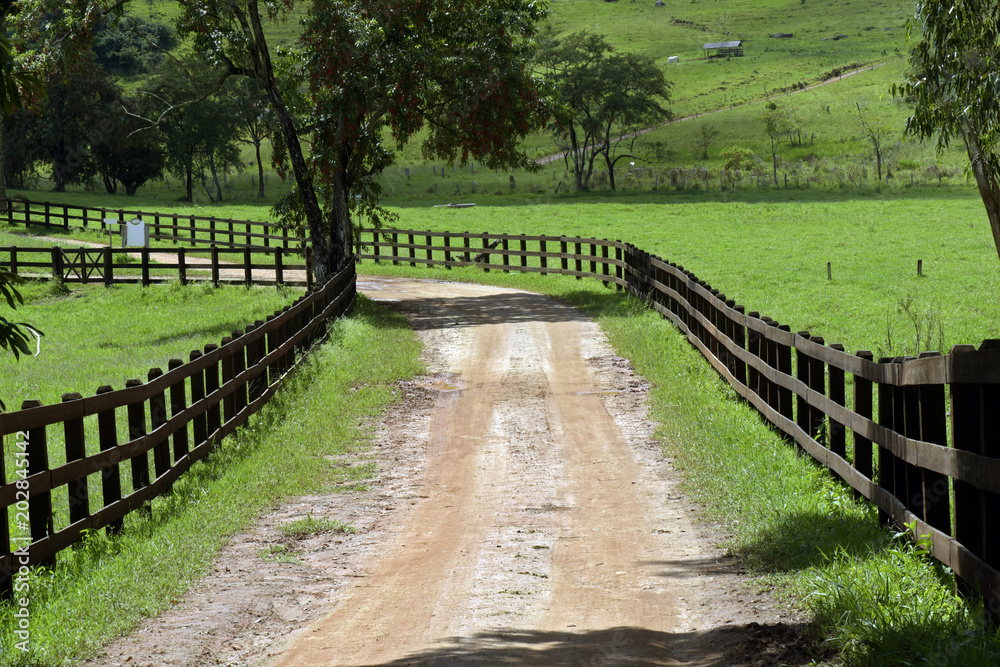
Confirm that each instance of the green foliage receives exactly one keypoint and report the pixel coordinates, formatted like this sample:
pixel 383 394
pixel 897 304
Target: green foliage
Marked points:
pixel 15 337
pixel 606 96
pixel 132 45
pixel 955 84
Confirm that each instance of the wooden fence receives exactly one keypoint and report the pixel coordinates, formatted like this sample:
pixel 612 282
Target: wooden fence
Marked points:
pixel 564 255
pixel 919 437
pixel 177 228
pixel 178 416
pixel 259 266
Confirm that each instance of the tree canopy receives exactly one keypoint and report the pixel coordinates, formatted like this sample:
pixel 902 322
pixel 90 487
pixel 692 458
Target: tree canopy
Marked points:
pixel 608 98
pixel 368 76
pixel 954 81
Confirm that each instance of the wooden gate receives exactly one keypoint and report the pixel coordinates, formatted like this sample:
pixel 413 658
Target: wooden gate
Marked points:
pixel 79 266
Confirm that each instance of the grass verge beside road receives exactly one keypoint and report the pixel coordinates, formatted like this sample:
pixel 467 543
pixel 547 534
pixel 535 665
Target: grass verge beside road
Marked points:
pixel 104 589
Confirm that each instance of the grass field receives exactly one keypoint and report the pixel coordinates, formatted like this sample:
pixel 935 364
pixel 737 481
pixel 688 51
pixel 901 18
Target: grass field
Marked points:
pixel 769 250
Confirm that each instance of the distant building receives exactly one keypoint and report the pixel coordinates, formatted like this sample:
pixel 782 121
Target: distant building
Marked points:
pixel 724 49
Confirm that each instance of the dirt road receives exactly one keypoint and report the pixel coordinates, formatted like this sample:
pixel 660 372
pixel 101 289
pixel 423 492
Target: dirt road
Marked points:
pixel 522 515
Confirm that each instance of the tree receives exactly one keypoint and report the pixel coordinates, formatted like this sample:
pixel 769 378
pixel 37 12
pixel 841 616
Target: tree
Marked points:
pixel 132 45
pixel 372 75
pixel 876 130
pixel 779 124
pixel 954 81
pixel 197 124
pixel 608 98
pixel 255 120
pixel 125 155
pixel 73 118
pixel 637 90
pixel 703 140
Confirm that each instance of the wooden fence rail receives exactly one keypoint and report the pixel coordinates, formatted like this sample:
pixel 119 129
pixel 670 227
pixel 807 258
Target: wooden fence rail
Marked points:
pixel 114 265
pixel 563 255
pixel 888 438
pixel 178 417
pixel 177 228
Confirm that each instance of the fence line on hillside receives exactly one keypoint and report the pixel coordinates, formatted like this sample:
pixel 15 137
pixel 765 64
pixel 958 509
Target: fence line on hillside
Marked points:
pixel 191 407
pixel 174 227
pixel 888 438
pixel 111 266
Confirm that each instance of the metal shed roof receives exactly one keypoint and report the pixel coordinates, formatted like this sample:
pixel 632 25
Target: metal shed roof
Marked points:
pixel 723 45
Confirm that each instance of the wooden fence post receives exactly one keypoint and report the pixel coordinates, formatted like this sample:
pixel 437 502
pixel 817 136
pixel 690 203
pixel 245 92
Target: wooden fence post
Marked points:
pixel 505 244
pixel 817 382
pixel 137 429
pixel 213 416
pixel 157 418
pixel 256 352
pixel 784 359
pixel 395 248
pixel 739 339
pixel 541 256
pixel 413 250
pixel 177 406
pixel 863 406
pixel 447 250
pixel 886 461
pixel 429 249
pixel 145 267
pixel 934 491
pixel 182 265
pixel 109 267
pixel 215 265
pixel 199 425
pixel 111 485
pixel 838 394
pixel 239 365
pixel 79 498
pixel 247 267
pixel 57 264
pixel 228 365
pixel 975 428
pixel 39 504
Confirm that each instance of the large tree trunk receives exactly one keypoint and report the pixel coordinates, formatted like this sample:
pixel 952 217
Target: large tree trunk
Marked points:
pixel 989 189
pixel 260 170
pixel 578 159
pixel 189 183
pixel 325 261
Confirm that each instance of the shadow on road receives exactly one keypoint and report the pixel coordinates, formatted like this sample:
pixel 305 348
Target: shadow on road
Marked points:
pixel 730 645
pixel 445 312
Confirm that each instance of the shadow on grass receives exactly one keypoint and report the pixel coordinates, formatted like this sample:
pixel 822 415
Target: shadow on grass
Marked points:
pixel 802 540
pixel 752 644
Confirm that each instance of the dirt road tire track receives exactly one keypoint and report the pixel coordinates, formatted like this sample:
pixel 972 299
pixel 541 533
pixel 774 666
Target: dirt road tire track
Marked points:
pixel 522 515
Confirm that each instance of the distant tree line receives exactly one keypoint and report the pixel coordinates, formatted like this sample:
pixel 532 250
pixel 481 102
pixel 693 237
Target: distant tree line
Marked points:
pixel 101 120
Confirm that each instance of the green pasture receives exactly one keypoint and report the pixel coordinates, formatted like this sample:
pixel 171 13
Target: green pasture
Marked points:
pixel 770 253
pixel 768 249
